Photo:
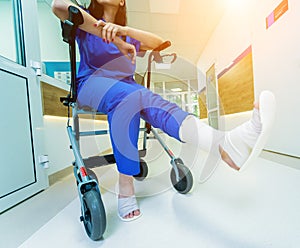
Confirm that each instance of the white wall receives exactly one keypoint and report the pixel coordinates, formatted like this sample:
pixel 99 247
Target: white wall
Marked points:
pixel 276 60
pixel 276 54
pixel 57 142
pixel 52 46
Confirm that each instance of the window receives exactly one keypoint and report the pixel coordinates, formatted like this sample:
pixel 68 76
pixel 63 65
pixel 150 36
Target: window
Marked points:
pixel 12 44
pixel 180 92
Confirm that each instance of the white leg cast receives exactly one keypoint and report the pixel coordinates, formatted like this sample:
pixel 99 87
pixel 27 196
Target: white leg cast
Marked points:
pixel 267 110
pixel 242 144
pixel 204 137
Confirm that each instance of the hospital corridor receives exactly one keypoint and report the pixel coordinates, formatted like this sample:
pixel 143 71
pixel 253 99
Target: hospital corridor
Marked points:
pixel 149 123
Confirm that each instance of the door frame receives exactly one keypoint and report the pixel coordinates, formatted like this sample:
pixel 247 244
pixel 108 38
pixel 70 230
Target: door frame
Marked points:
pixel 28 22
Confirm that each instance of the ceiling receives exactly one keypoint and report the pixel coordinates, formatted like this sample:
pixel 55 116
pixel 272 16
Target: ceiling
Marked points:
pixel 188 30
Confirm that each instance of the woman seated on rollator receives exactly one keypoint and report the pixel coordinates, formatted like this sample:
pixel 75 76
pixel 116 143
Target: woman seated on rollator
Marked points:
pixel 108 50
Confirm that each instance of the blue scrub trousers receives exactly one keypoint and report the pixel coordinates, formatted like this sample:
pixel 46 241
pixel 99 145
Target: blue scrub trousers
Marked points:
pixel 125 103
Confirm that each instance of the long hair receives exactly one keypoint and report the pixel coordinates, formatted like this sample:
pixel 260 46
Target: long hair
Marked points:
pixel 96 10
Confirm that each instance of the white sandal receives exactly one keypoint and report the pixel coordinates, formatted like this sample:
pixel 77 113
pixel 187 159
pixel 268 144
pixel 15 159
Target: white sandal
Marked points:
pixel 126 206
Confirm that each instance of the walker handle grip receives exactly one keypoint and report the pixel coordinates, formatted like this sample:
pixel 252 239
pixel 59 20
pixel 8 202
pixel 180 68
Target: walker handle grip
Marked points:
pixel 155 52
pixel 163 46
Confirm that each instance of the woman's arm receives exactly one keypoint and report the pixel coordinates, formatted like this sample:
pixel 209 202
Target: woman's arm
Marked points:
pixel 111 31
pixel 148 40
pixel 60 9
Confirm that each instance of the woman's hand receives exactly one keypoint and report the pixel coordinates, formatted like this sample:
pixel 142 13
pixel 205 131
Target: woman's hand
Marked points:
pixel 127 49
pixel 109 31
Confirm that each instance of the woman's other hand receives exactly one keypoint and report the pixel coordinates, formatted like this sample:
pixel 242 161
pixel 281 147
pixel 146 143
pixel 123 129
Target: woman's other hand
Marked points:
pixel 109 31
pixel 127 49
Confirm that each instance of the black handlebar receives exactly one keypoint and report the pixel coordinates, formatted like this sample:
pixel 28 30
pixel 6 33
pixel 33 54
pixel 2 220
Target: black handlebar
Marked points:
pixel 70 25
pixel 69 28
pixel 75 16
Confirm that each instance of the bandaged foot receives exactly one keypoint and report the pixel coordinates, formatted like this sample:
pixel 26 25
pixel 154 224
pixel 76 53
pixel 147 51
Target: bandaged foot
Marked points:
pixel 237 147
pixel 128 208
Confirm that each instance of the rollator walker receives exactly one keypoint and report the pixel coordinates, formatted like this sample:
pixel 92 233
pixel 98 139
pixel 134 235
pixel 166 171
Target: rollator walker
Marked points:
pixel 93 213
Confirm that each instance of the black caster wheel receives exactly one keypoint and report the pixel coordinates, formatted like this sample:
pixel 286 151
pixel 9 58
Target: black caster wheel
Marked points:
pixel 93 214
pixel 185 182
pixel 143 171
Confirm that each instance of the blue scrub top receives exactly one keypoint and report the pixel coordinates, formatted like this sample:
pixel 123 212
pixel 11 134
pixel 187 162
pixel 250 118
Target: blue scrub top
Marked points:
pixel 98 57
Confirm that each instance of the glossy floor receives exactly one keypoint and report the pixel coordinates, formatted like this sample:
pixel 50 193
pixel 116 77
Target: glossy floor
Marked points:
pixel 256 208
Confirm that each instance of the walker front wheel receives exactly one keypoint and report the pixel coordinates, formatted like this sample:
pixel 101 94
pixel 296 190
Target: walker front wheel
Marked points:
pixel 184 183
pixel 93 214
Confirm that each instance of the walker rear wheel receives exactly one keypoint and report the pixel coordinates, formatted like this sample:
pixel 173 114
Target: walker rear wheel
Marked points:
pixel 93 214
pixel 185 182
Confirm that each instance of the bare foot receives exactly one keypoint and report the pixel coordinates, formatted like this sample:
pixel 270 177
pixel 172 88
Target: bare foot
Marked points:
pixel 126 189
pixel 225 157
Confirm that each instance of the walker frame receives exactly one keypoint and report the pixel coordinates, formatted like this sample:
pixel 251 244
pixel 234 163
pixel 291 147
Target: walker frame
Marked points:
pixel 93 213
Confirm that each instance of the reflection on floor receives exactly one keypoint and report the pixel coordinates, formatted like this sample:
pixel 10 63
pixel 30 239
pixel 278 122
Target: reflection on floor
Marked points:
pixel 256 208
